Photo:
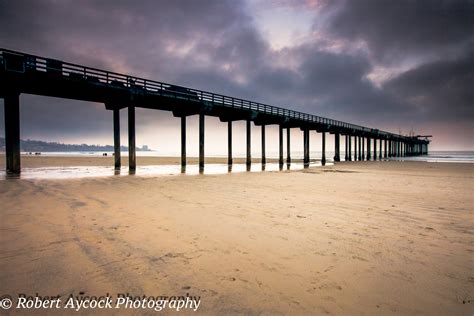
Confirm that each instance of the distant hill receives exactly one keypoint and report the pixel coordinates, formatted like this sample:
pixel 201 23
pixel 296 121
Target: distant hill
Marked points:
pixel 41 146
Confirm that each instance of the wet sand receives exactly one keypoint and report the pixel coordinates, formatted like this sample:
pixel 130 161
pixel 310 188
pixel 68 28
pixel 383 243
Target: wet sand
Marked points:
pixel 354 238
pixel 31 161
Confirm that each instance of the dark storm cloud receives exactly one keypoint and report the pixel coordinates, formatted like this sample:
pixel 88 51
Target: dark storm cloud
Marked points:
pixel 139 34
pixel 394 30
pixel 215 45
pixel 441 90
pixel 167 40
pixel 437 36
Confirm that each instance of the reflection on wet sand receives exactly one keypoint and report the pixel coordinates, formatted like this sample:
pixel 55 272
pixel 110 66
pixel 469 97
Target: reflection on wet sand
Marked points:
pixel 152 170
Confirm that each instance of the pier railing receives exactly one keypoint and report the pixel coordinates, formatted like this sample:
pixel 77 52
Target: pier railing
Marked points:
pixel 21 62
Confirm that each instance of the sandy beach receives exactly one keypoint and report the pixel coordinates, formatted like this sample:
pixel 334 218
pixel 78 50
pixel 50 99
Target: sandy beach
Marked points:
pixel 350 239
pixel 30 161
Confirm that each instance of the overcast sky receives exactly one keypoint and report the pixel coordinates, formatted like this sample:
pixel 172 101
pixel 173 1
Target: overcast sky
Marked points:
pixel 393 65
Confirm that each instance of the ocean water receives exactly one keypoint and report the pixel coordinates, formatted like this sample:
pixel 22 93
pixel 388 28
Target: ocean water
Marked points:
pixel 166 170
pixel 443 156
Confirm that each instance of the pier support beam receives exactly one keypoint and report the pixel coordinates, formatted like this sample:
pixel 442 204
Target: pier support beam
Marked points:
pixel 249 145
pixel 350 148
pixel 380 150
pixel 355 148
pixel 306 147
pixel 323 157
pixel 288 147
pixel 229 143
pixel 280 141
pixel 368 148
pixel 264 158
pixel 385 149
pixel 346 144
pixel 12 133
pixel 201 142
pixel 183 141
pixel 363 148
pixel 360 146
pixel 132 162
pixel 117 155
pixel 337 154
pixel 375 148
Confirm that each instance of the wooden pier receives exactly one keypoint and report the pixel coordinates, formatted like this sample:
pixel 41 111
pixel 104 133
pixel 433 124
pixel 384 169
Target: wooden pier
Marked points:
pixel 29 74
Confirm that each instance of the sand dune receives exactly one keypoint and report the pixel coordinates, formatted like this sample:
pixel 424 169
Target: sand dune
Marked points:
pixel 355 238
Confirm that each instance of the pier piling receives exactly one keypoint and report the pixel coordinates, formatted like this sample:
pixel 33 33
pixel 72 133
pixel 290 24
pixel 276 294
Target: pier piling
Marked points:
pixel 375 149
pixel 350 148
pixel 229 143
pixel 360 145
pixel 323 142
pixel 306 147
pixel 355 148
pixel 12 133
pixel 288 147
pixel 363 148
pixel 132 163
pixel 183 141
pixel 380 150
pixel 249 145
pixel 368 148
pixel 117 158
pixel 264 159
pixel 280 141
pixel 337 154
pixel 346 146
pixel 201 142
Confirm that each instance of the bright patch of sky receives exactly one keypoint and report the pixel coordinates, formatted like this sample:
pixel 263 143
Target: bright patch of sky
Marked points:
pixel 282 25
